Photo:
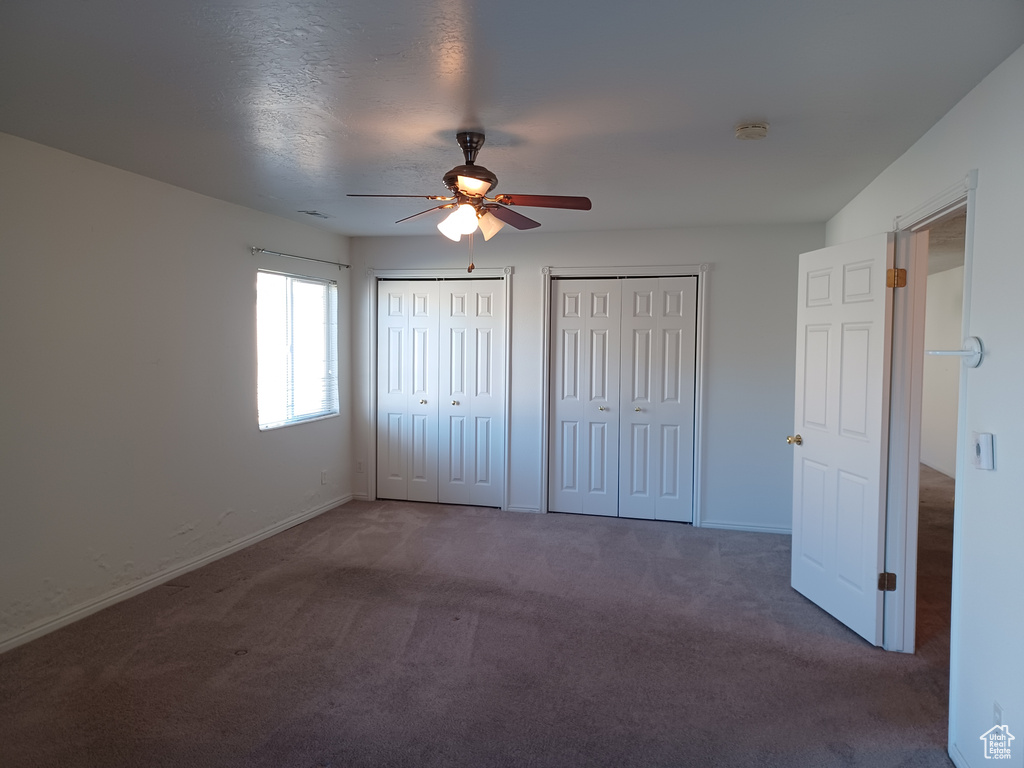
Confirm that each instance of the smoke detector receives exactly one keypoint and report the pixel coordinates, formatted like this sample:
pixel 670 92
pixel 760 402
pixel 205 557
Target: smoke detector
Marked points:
pixel 751 131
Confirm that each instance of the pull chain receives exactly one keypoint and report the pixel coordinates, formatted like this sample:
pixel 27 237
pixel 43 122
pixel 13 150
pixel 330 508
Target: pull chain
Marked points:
pixel 472 266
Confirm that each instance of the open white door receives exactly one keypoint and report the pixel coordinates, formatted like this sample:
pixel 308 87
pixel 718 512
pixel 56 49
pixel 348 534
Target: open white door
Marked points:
pixel 843 357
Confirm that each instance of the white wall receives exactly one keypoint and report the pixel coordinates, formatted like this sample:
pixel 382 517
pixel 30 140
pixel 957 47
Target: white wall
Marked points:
pixel 984 132
pixel 941 386
pixel 751 326
pixel 129 445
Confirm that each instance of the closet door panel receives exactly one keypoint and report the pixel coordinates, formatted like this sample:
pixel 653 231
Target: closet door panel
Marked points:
pixel 676 304
pixel 584 427
pixel 472 447
pixel 407 330
pixel 638 370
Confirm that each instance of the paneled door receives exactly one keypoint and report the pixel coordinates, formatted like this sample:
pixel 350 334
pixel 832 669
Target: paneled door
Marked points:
pixel 408 314
pixel 441 391
pixel 843 345
pixel 584 471
pixel 659 347
pixel 622 403
pixel 472 403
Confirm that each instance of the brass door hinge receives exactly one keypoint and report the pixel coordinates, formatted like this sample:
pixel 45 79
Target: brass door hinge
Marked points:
pixel 887 582
pixel 895 278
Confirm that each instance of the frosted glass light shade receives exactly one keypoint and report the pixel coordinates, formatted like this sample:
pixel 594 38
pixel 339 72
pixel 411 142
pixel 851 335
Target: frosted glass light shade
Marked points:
pixel 490 225
pixel 471 186
pixel 461 221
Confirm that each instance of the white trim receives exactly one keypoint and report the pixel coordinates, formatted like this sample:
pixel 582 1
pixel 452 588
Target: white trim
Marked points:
pixel 957 756
pixel 939 205
pixel 545 388
pixel 748 528
pixel 123 593
pixel 700 271
pixel 440 274
pixel 638 271
pixel 374 276
pixel 371 401
pixel 698 402
pixel 508 387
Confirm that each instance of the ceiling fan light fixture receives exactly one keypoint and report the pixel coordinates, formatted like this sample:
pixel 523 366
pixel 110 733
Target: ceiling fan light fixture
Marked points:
pixel 471 180
pixel 490 225
pixel 461 221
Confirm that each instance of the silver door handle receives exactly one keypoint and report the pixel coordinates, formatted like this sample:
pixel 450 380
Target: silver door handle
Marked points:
pixel 455 402
pixel 637 409
pixel 423 402
pixel 601 408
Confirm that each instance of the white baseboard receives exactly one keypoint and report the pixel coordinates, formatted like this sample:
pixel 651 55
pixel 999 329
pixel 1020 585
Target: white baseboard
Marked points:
pixel 957 757
pixel 749 528
pixel 534 510
pixel 87 608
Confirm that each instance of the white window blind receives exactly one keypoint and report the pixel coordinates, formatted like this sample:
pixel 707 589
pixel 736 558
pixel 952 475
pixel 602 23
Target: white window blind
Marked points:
pixel 297 348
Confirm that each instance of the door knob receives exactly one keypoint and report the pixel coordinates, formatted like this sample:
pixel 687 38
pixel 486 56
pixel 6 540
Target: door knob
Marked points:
pixel 601 408
pixel 423 402
pixel 455 402
pixel 795 440
pixel 637 409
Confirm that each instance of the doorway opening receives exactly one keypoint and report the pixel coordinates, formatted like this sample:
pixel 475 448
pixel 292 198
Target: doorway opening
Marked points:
pixel 946 241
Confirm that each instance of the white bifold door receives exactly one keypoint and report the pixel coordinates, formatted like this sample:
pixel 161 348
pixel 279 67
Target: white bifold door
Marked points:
pixel 623 362
pixel 441 391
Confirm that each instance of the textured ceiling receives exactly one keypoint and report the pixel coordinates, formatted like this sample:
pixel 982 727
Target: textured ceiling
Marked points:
pixel 289 106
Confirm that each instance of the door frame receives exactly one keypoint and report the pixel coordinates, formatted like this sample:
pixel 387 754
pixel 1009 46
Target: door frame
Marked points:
pixel 374 277
pixel 901 527
pixel 700 271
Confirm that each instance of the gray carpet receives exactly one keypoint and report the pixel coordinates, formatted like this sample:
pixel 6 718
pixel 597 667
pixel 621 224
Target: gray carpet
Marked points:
pixel 397 634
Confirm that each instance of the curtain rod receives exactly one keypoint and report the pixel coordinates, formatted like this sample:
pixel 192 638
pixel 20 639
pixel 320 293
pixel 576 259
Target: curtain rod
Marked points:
pixel 256 250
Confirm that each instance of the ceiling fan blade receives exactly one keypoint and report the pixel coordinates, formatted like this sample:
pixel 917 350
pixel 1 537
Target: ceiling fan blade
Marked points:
pixel 547 201
pixel 419 197
pixel 429 210
pixel 512 218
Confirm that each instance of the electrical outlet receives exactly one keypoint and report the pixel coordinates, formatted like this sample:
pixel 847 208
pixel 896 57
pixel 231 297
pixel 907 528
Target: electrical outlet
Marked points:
pixel 323 477
pixel 997 713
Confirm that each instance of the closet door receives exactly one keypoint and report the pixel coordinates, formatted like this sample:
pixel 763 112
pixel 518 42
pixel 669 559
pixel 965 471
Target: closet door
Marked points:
pixel 658 359
pixel 407 381
pixel 472 386
pixel 583 475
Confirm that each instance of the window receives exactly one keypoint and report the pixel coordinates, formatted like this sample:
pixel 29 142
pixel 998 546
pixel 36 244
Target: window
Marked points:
pixel 296 348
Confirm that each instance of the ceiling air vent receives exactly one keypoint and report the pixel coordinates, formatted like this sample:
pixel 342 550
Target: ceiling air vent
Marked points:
pixel 315 213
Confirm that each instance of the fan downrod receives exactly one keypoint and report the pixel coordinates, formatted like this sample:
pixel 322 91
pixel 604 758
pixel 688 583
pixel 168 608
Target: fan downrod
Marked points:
pixel 470 142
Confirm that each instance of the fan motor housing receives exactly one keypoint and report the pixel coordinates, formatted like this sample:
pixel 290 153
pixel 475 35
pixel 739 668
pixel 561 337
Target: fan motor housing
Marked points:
pixel 451 179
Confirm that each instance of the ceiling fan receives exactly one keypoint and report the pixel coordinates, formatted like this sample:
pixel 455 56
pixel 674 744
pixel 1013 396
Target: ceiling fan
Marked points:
pixel 469 185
